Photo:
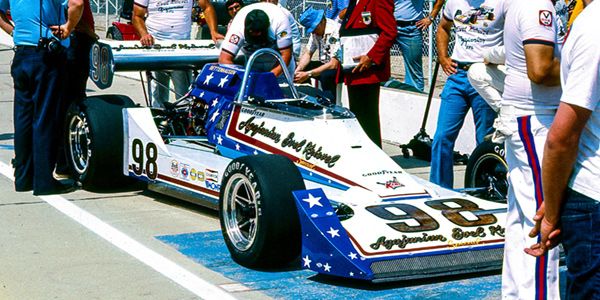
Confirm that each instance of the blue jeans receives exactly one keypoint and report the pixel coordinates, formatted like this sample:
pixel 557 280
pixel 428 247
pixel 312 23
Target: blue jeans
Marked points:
pixel 458 97
pixel 38 81
pixel 581 241
pixel 410 41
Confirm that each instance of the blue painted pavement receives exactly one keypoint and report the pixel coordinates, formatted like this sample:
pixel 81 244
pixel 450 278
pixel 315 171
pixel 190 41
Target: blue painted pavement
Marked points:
pixel 208 249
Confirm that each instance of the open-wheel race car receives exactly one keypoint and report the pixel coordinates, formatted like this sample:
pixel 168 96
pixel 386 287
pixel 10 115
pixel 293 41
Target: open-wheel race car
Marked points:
pixel 292 174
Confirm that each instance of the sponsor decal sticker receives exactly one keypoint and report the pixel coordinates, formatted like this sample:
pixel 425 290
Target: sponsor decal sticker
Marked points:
pixel 281 35
pixel 193 174
pixel 174 168
pixel 212 185
pixel 223 119
pixel 366 17
pixel 382 172
pixel 392 184
pixel 545 18
pixel 185 172
pixel 200 176
pixel 212 175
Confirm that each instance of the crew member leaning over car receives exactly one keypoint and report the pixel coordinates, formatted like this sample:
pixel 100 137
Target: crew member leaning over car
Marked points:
pixel 256 26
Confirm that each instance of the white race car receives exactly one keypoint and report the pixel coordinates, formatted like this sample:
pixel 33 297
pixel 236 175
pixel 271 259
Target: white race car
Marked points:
pixel 291 174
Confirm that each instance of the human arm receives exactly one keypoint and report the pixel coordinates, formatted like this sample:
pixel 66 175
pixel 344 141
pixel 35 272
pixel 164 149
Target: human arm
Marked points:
pixel 435 10
pixel 211 19
pixel 387 37
pixel 560 154
pixel 304 60
pixel 138 18
pixel 303 76
pixel 443 38
pixel 286 54
pixel 226 57
pixel 542 67
pixel 5 23
pixel 495 55
pixel 74 12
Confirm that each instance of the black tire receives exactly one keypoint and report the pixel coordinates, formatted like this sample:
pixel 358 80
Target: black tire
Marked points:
pixel 259 218
pixel 114 33
pixel 487 168
pixel 94 141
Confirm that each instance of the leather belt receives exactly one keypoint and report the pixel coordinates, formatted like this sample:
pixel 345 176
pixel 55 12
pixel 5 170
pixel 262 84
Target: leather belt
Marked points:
pixel 22 47
pixel 464 65
pixel 405 23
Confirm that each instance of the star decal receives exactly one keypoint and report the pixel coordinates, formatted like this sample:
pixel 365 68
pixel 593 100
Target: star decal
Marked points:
pixel 237 147
pixel 307 261
pixel 202 95
pixel 219 140
pixel 255 152
pixel 327 267
pixel 351 274
pixel 312 201
pixel 333 232
pixel 223 81
pixel 215 102
pixel 214 116
pixel 352 255
pixel 208 78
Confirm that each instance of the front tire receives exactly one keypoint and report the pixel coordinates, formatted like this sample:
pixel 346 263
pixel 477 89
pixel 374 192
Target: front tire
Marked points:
pixel 258 214
pixel 114 33
pixel 94 141
pixel 487 168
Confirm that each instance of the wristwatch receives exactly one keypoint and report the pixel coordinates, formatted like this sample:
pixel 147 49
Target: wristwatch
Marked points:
pixel 309 74
pixel 431 18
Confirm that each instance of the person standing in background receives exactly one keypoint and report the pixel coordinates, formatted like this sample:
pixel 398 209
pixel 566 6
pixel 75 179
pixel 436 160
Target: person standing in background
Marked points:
pixel 78 68
pixel 171 21
pixel 41 34
pixel 411 21
pixel 297 44
pixel 478 26
pixel 363 82
pixel 336 9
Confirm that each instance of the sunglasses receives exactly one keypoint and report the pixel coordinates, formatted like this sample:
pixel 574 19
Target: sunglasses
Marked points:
pixel 234 7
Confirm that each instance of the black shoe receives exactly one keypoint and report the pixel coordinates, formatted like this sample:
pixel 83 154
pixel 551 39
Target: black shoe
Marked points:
pixel 59 188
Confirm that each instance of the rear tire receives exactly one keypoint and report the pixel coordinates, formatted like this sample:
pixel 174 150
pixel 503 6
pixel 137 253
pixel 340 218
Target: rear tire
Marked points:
pixel 258 214
pixel 487 168
pixel 114 33
pixel 94 141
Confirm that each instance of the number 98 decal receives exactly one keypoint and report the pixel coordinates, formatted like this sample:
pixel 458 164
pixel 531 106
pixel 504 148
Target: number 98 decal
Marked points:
pixel 101 65
pixel 144 159
pixel 409 218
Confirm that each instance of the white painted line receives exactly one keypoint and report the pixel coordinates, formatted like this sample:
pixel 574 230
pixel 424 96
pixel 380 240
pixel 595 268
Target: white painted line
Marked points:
pixel 179 275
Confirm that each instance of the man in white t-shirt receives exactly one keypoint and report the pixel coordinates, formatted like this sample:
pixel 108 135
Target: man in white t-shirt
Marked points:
pixel 478 26
pixel 530 99
pixel 169 20
pixel 571 162
pixel 295 31
pixel 256 26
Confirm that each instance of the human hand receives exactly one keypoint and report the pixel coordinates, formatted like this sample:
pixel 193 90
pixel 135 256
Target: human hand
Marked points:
pixel 364 63
pixel 216 37
pixel 61 31
pixel 147 40
pixel 300 76
pixel 550 234
pixel 448 65
pixel 423 23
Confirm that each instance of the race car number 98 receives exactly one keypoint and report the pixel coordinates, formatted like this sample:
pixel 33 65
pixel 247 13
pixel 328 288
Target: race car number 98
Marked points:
pixel 151 155
pixel 409 218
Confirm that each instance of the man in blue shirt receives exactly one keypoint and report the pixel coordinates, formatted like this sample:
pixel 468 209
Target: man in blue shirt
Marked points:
pixel 38 70
pixel 410 21
pixel 335 9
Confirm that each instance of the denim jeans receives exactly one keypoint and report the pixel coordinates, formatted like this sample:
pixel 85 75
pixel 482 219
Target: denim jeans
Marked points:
pixel 38 81
pixel 458 97
pixel 410 41
pixel 581 241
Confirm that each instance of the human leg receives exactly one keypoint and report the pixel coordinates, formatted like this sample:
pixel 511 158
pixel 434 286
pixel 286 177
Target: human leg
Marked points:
pixel 410 40
pixel 525 276
pixel 181 81
pixel 483 115
pixel 328 81
pixel 23 119
pixel 581 240
pixel 364 103
pixel 453 109
pixel 488 81
pixel 160 90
